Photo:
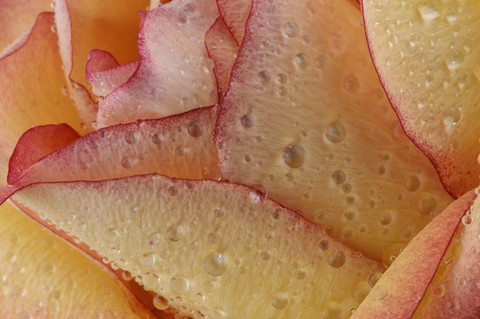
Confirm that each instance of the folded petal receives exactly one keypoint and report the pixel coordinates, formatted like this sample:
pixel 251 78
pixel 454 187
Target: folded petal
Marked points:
pixel 175 73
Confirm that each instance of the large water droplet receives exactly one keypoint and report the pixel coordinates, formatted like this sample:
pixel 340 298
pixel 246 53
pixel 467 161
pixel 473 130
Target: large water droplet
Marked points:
pixel 294 155
pixel 381 292
pixel 110 235
pixel 216 264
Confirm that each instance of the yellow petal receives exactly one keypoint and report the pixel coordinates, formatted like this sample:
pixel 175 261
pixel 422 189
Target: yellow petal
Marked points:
pixel 43 277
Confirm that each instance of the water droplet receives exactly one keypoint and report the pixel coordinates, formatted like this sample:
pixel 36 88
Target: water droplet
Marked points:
pixel 347 188
pixel 282 78
pixel 302 60
pixel 427 204
pixel 350 214
pixel 131 137
pixel 391 253
pixel 290 29
pixel 264 77
pixel 219 212
pixel 381 293
pixel 172 191
pixel 454 60
pixel 280 301
pixel 335 132
pixel 157 139
pixel 147 260
pixel 374 278
pixel 350 84
pixel 247 121
pixel 178 285
pixel 110 235
pixel 216 264
pixel 324 245
pixel 412 184
pixel 336 259
pixel 385 218
pixel 266 255
pixel 331 310
pixel 360 291
pixel 127 162
pixel 438 290
pixel 175 232
pixel 335 42
pixel 428 13
pixel 294 155
pixel 180 151
pixel 320 62
pixel 451 117
pixel 160 303
pixel 190 10
pixel 150 281
pixel 339 177
pixel 301 274
pixel 195 129
pixel 467 220
pixel 153 239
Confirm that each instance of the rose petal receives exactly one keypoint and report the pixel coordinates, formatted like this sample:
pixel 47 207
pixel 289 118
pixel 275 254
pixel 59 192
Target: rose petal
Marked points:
pixel 182 238
pixel 222 49
pixel 105 74
pixel 235 14
pixel 42 277
pixel 399 292
pixel 32 82
pixel 179 146
pixel 175 74
pixel 17 20
pixel 432 78
pixel 306 121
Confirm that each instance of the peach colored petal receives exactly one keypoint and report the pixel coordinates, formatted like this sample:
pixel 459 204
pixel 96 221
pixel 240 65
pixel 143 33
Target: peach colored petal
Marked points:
pixel 18 18
pixel 32 81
